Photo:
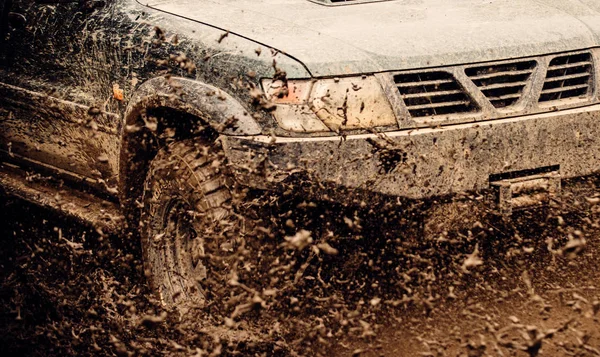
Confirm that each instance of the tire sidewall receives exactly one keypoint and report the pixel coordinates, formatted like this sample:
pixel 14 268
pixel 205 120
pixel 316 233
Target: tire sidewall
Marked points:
pixel 166 184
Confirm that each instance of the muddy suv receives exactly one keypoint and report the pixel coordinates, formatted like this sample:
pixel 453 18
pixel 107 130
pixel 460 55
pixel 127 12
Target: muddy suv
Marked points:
pixel 132 114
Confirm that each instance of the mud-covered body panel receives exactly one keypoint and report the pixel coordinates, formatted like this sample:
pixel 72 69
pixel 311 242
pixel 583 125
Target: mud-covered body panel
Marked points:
pixel 400 35
pixel 429 162
pixel 60 133
pixel 63 71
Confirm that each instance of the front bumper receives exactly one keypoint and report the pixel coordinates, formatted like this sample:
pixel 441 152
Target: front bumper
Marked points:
pixel 429 162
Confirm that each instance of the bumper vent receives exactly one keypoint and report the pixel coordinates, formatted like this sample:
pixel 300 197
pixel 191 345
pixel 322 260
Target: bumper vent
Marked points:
pixel 568 76
pixel 502 84
pixel 433 93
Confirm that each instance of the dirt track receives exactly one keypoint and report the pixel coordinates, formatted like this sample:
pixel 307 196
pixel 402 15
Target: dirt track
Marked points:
pixel 524 288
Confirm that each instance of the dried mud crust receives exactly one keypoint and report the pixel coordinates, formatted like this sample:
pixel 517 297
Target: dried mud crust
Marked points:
pixel 186 202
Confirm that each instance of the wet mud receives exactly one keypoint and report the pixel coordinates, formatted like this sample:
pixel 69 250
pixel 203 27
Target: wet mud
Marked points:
pixel 320 278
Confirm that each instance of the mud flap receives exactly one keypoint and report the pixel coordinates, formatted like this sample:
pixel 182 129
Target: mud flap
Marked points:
pixel 525 190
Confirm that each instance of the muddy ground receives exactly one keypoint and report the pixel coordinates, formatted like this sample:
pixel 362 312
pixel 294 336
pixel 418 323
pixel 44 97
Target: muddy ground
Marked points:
pixel 324 279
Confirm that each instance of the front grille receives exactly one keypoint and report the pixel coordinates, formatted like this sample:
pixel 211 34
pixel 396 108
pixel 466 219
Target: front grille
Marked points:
pixel 568 76
pixel 499 89
pixel 502 84
pixel 433 93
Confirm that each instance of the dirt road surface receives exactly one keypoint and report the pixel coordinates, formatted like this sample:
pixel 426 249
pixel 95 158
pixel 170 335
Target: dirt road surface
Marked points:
pixel 362 287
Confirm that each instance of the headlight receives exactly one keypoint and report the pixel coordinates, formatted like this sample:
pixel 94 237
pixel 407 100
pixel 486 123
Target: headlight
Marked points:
pixel 330 104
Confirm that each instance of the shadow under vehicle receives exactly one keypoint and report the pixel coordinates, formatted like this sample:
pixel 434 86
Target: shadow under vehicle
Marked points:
pixel 133 114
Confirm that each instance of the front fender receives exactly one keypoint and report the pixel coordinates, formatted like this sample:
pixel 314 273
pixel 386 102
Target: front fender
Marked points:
pixel 207 102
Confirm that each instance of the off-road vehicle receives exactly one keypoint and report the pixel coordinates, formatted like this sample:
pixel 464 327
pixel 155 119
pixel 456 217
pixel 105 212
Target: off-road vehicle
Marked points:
pixel 145 113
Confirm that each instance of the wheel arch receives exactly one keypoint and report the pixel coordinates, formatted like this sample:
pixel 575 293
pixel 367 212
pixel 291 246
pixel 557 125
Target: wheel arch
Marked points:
pixel 191 107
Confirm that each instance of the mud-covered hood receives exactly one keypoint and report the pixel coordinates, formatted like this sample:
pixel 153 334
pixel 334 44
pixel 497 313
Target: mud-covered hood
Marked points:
pixel 401 34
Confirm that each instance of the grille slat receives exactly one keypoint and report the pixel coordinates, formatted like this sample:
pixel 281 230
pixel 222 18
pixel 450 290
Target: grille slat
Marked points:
pixel 564 89
pixel 501 74
pixel 433 93
pixel 568 77
pixel 502 83
pixel 424 83
pixel 569 65
pixel 439 105
pixel 564 78
pixel 505 96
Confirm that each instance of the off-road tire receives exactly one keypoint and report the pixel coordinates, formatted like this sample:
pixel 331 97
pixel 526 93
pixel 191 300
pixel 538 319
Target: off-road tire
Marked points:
pixel 186 196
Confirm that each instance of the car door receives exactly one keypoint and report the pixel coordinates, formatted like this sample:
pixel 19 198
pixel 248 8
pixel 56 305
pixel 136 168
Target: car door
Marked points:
pixel 59 94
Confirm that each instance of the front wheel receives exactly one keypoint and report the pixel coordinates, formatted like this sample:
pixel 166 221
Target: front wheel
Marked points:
pixel 186 202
